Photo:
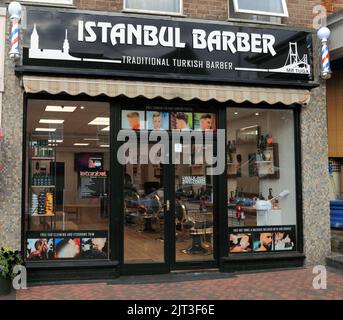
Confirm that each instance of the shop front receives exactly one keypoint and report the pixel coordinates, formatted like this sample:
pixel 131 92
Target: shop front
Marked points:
pixel 103 196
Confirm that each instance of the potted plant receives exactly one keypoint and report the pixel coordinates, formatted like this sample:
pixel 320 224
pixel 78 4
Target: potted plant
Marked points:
pixel 8 260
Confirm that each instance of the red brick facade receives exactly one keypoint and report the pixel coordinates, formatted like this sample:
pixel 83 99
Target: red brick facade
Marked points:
pixel 333 6
pixel 300 11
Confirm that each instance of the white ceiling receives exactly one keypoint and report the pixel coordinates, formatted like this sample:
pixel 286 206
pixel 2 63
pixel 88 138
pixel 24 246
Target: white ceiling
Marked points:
pixel 75 127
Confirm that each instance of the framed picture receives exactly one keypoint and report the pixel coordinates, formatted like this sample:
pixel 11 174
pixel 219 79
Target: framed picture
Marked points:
pixel 205 121
pixel 133 119
pixel 181 120
pixel 157 120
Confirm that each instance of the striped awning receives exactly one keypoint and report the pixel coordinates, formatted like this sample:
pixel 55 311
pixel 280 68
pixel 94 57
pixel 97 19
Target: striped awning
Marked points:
pixel 166 90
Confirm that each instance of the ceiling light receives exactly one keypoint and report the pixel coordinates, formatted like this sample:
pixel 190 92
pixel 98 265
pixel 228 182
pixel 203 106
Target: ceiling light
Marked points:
pixel 60 108
pixel 57 121
pixel 236 113
pixel 82 107
pixel 53 145
pixel 104 146
pixel 106 129
pixel 55 141
pixel 100 121
pixel 257 114
pixel 91 139
pixel 45 129
pixel 81 144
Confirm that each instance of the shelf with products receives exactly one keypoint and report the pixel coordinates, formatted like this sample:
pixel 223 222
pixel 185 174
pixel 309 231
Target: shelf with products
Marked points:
pixel 42 177
pixel 265 162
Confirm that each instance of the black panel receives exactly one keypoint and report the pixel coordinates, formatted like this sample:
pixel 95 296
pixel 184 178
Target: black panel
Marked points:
pixel 58 41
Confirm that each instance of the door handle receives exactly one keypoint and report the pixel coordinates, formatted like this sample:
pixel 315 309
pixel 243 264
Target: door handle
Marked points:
pixel 168 205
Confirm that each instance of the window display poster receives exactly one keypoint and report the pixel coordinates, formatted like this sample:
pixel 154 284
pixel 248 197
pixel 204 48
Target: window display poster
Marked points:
pixel 66 245
pixel 240 242
pixel 262 239
pixel 181 120
pixel 157 120
pixel 204 121
pixel 133 119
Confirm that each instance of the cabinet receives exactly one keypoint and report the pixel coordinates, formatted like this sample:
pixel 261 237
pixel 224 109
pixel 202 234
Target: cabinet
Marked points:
pixel 41 182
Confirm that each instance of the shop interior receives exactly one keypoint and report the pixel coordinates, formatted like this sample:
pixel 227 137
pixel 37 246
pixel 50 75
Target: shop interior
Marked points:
pixel 260 165
pixel 67 172
pixel 145 213
pixel 67 165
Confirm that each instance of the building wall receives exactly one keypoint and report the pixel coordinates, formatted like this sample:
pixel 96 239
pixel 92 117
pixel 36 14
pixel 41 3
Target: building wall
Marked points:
pixel 313 135
pixel 11 153
pixel 333 6
pixel 300 11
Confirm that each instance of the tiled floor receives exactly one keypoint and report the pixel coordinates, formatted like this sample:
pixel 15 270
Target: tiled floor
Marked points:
pixel 285 284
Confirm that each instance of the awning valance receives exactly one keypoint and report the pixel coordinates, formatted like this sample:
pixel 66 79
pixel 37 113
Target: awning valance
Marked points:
pixel 150 90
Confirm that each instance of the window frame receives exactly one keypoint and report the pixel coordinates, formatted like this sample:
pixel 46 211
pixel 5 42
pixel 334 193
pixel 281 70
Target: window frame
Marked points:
pixel 166 13
pixel 263 13
pixel 56 3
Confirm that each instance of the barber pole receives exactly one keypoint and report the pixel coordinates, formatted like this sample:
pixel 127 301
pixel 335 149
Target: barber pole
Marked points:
pixel 323 35
pixel 14 52
pixel 325 58
pixel 14 10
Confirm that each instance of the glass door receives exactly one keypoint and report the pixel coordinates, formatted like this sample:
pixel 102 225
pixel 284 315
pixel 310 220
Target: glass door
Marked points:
pixel 146 215
pixel 169 212
pixel 193 206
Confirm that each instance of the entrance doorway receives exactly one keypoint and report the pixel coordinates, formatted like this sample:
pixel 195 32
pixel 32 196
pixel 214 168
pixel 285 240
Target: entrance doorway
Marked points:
pixel 169 214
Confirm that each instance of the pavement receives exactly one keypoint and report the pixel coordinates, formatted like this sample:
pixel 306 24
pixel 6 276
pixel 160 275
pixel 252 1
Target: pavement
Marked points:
pixel 290 284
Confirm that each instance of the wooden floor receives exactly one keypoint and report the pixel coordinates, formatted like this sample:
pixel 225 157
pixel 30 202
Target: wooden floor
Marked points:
pixel 148 247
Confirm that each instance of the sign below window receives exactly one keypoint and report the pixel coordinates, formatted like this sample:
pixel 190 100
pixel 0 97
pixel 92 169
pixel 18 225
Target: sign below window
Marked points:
pixel 262 239
pixel 80 43
pixel 58 245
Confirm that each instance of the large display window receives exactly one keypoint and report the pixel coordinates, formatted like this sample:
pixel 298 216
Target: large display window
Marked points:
pixel 67 180
pixel 261 180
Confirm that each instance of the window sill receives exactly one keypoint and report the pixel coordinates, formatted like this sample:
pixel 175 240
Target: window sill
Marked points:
pixel 47 4
pixel 245 21
pixel 69 264
pixel 154 13
pixel 261 261
pixel 264 256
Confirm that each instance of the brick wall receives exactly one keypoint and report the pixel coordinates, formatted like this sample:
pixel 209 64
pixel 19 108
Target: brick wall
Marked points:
pixel 300 11
pixel 333 5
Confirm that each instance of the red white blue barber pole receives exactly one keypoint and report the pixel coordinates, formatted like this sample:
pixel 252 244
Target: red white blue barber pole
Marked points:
pixel 324 34
pixel 14 10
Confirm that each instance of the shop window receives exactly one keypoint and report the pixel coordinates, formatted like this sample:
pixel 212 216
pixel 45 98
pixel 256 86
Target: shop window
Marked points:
pixel 161 6
pixel 270 11
pixel 67 180
pixel 261 181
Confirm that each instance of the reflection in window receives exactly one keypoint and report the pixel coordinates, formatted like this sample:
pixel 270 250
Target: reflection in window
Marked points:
pixel 264 7
pixel 253 15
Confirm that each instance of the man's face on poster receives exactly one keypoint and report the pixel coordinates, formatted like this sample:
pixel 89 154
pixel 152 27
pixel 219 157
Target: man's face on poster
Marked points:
pixel 206 124
pixel 266 239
